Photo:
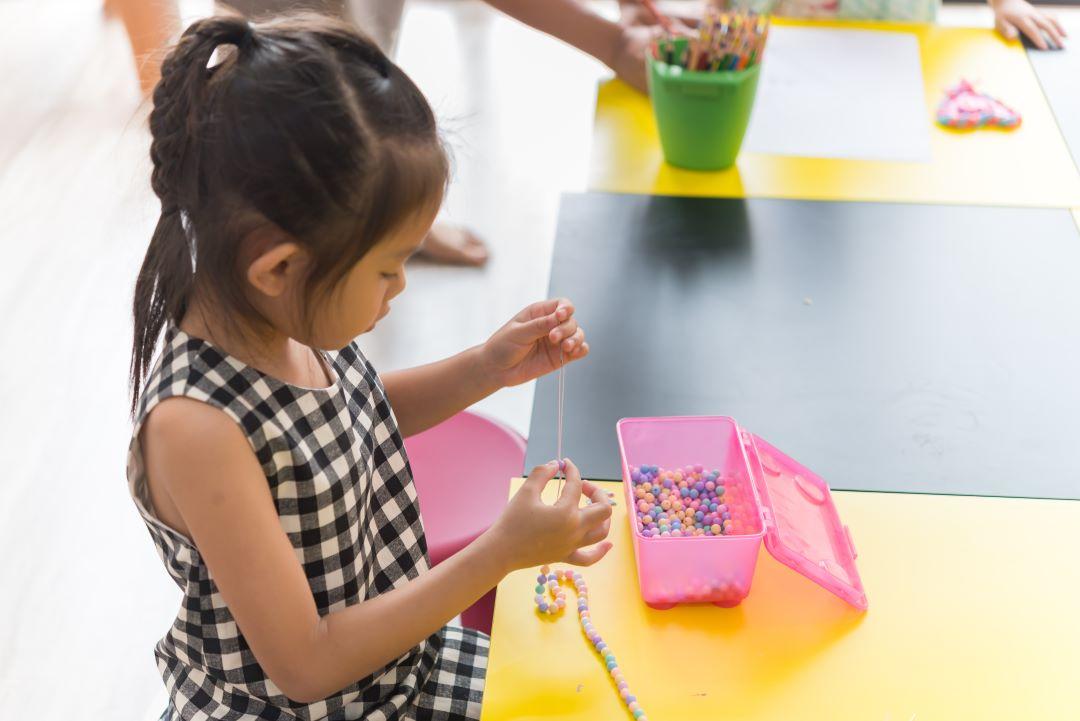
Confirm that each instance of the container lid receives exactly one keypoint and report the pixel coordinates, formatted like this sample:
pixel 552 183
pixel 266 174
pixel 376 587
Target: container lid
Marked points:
pixel 802 529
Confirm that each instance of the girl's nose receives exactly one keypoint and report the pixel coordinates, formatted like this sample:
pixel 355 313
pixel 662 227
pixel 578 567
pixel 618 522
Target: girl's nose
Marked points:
pixel 398 285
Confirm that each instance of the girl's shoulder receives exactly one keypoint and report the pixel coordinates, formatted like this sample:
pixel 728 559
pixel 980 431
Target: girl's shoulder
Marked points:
pixel 189 367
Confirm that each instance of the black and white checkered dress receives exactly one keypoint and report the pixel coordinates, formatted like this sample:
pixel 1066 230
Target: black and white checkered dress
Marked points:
pixel 338 473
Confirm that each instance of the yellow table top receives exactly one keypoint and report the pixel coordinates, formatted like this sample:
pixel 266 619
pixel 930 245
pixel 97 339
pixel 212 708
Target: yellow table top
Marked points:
pixel 1030 166
pixel 973 614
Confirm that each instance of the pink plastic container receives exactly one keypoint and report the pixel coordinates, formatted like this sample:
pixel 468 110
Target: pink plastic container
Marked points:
pixel 771 496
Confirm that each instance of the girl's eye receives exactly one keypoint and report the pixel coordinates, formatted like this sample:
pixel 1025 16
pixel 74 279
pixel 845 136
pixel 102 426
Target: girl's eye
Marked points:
pixel 389 276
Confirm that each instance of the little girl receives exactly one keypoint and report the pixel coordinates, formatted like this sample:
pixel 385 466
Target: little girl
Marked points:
pixel 296 176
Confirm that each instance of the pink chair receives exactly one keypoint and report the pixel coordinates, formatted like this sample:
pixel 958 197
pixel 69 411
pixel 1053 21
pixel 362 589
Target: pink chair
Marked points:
pixel 462 469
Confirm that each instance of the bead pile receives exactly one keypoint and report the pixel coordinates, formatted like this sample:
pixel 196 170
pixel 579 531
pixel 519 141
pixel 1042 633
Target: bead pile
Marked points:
pixel 549 582
pixel 687 501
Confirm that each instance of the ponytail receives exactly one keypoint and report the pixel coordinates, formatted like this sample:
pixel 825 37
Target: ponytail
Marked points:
pixel 165 279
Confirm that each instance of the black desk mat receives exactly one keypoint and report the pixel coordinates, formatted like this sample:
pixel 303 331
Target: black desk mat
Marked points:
pixel 889 347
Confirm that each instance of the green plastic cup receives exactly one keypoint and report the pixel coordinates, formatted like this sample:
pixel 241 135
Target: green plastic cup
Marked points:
pixel 701 115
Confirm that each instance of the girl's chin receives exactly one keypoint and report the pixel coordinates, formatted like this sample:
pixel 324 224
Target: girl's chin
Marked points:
pixel 376 322
pixel 383 312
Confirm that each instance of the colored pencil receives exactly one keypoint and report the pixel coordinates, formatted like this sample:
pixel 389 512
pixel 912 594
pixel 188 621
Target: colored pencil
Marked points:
pixel 725 41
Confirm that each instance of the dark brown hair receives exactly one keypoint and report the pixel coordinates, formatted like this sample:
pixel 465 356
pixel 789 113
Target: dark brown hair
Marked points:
pixel 304 124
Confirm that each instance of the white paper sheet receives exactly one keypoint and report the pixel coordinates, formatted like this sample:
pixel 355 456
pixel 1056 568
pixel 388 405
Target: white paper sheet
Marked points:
pixel 833 93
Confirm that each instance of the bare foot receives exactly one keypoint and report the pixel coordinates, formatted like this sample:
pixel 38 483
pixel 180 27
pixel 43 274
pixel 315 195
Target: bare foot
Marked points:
pixel 453 245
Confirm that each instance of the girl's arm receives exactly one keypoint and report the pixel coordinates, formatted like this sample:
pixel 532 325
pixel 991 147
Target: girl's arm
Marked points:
pixel 201 468
pixel 525 348
pixel 427 395
pixel 619 46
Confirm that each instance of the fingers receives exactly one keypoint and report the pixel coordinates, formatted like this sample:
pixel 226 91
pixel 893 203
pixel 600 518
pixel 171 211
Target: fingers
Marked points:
pixel 1007 29
pixel 589 556
pixel 1029 28
pixel 537 310
pixel 594 515
pixel 564 309
pixel 1052 28
pixel 542 308
pixel 595 493
pixel 542 318
pixel 539 327
pixel 539 478
pixel 580 352
pixel 564 330
pixel 568 336
pixel 595 535
pixel 572 490
pixel 1058 25
pixel 596 518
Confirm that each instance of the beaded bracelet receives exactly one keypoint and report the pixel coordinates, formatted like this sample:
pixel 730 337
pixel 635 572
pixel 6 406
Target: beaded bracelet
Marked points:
pixel 551 581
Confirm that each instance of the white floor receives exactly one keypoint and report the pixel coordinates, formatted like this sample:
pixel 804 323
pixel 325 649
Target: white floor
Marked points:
pixel 83 596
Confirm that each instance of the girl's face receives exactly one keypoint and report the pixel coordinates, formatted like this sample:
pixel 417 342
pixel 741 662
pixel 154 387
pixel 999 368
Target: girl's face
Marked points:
pixel 363 298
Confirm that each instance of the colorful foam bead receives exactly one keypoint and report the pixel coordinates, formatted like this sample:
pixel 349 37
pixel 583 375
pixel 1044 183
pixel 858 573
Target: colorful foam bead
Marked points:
pixel 557 601
pixel 683 502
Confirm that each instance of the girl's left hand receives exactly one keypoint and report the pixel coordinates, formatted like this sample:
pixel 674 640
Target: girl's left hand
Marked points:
pixel 1019 16
pixel 529 345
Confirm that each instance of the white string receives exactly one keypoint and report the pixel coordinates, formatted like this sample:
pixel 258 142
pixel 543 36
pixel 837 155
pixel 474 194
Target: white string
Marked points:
pixel 559 418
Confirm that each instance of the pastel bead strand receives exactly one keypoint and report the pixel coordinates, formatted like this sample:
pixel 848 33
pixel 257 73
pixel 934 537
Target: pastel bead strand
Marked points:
pixel 550 599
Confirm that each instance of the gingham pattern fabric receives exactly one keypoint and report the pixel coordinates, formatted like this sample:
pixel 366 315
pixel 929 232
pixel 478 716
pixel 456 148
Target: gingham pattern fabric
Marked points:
pixel 338 473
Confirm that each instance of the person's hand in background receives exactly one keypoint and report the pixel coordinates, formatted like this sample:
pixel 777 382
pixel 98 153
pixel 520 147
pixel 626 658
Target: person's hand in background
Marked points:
pixel 621 45
pixel 640 26
pixel 635 12
pixel 1012 17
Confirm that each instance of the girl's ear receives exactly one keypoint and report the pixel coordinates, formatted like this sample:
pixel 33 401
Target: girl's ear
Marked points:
pixel 277 268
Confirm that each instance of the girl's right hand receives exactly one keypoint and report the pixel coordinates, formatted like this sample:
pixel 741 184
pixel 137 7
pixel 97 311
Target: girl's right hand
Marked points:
pixel 531 533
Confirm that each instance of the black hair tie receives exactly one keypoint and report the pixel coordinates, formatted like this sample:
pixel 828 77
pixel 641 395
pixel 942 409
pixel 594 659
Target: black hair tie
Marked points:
pixel 246 39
